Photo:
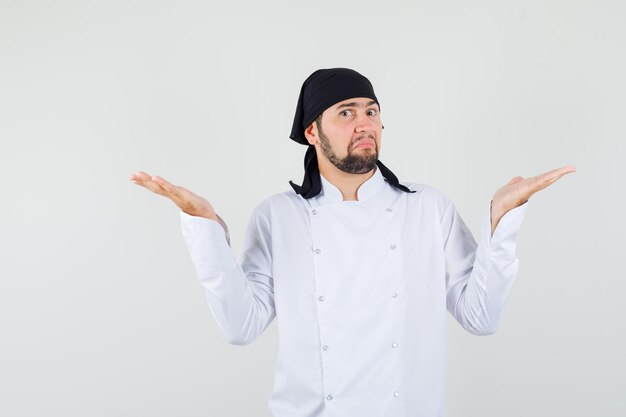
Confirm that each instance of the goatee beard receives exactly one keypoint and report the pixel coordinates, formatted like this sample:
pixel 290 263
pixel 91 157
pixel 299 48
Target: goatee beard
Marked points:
pixel 354 162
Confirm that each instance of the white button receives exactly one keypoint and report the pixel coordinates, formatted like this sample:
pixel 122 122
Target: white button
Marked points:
pixel 329 397
pixel 394 295
pixel 396 393
pixel 321 298
pixel 394 345
pixel 317 250
pixel 325 347
pixel 392 246
pixel 314 212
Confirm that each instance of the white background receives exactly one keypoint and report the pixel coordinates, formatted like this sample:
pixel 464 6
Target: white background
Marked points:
pixel 100 310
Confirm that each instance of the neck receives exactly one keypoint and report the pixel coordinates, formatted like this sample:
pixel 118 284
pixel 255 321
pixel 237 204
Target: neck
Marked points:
pixel 347 183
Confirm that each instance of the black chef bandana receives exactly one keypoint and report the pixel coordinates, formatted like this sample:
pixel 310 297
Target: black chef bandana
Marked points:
pixel 321 90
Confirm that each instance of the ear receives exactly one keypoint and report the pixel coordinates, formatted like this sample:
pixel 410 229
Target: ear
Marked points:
pixel 310 133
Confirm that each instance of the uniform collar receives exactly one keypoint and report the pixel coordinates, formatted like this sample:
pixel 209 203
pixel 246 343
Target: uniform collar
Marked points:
pixel 331 194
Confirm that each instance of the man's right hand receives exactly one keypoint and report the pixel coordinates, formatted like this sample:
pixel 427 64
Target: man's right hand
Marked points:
pixel 187 201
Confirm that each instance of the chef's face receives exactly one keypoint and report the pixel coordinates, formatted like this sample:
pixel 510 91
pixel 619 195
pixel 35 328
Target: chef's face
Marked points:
pixel 342 128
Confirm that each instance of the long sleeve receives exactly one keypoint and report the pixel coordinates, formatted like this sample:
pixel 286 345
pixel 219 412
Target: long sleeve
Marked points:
pixel 479 277
pixel 240 292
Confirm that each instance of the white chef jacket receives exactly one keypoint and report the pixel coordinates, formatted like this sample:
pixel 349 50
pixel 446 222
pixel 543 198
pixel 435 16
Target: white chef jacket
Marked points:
pixel 359 290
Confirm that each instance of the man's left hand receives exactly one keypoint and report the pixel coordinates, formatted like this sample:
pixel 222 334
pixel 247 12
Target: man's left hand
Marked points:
pixel 519 190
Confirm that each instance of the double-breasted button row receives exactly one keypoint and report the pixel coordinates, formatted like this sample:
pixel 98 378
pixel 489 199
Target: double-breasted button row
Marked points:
pixel 321 298
pixel 392 246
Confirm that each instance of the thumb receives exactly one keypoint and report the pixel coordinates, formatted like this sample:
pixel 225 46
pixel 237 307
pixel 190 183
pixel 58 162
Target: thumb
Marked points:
pixel 515 180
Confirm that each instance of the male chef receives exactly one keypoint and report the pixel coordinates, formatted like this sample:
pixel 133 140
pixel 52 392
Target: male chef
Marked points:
pixel 359 269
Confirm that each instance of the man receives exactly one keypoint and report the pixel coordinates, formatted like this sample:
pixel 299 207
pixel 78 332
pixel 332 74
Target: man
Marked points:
pixel 358 269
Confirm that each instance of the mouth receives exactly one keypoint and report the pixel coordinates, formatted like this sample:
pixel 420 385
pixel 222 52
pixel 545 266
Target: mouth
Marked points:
pixel 365 144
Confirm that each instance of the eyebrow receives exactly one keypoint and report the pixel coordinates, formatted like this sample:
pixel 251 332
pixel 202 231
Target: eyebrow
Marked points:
pixel 355 104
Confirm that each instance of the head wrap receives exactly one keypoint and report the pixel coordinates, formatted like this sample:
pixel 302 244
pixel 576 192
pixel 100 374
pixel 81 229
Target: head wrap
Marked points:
pixel 321 90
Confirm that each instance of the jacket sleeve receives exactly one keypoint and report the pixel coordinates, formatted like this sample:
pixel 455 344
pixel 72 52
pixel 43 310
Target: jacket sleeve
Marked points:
pixel 240 292
pixel 479 277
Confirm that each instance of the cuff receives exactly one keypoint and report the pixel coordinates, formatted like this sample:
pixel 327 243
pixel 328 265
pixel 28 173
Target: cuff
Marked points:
pixel 503 242
pixel 207 242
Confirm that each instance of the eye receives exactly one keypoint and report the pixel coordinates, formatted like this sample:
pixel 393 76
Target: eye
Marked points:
pixel 373 111
pixel 345 111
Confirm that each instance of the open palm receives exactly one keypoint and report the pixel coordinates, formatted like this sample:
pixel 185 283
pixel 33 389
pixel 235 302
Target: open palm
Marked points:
pixel 519 189
pixel 517 192
pixel 187 201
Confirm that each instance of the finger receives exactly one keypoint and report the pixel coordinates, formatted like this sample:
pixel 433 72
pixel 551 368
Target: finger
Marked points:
pixel 557 173
pixel 548 178
pixel 179 195
pixel 161 182
pixel 154 187
pixel 145 180
pixel 140 176
pixel 173 191
pixel 543 180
